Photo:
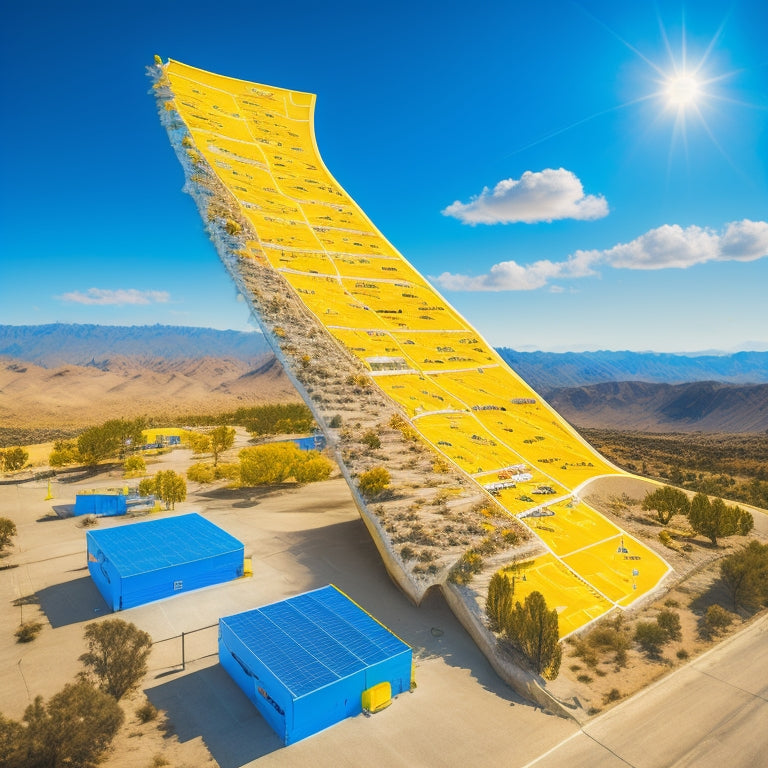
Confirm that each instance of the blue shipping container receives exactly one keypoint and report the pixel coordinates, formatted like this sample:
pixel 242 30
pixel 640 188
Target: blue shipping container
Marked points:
pixel 305 661
pixel 141 562
pixel 101 504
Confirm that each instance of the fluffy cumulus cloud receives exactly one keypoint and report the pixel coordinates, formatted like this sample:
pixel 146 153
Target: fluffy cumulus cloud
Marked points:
pixel 121 296
pixel 668 246
pixel 536 196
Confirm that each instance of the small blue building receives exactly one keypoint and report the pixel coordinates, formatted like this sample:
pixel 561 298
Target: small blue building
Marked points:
pixel 141 562
pixel 312 660
pixel 107 503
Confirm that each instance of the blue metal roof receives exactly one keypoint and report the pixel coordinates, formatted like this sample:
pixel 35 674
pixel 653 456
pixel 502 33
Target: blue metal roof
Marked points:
pixel 156 544
pixel 314 639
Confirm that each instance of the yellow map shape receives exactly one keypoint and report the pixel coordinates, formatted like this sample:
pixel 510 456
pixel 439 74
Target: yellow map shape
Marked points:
pixel 458 392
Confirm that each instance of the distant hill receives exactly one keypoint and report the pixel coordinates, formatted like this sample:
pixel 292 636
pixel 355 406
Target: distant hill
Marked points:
pixel 63 344
pixel 548 370
pixel 76 374
pixel 70 376
pixel 702 406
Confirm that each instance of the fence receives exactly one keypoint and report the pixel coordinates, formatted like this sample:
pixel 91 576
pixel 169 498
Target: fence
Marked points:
pixel 177 650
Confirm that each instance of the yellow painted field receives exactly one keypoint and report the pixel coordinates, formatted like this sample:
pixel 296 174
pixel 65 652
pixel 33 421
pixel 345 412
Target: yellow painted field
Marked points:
pixel 457 391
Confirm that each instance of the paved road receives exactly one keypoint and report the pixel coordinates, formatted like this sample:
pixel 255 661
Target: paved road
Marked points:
pixel 711 714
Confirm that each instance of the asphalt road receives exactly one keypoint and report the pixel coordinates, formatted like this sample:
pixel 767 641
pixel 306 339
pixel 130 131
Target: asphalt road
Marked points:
pixel 712 713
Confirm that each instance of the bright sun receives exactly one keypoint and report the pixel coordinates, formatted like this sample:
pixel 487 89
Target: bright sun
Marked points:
pixel 682 90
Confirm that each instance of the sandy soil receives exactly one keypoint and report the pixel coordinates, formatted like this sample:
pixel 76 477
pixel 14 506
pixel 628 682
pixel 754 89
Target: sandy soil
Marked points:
pixel 299 538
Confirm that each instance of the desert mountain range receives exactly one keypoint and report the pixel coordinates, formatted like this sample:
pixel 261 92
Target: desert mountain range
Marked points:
pixel 68 376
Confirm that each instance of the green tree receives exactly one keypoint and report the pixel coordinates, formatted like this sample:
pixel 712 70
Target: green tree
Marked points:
pixel 73 729
pixel 109 439
pixel 667 502
pixel 117 656
pixel 745 575
pixel 372 482
pixel 13 458
pixel 715 519
pixel 170 487
pixel 535 631
pixel 64 452
pixel 498 603
pixel 222 439
pixel 650 637
pixel 7 532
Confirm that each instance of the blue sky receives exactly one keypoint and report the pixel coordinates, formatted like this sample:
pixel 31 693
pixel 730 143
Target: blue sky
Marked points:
pixel 572 175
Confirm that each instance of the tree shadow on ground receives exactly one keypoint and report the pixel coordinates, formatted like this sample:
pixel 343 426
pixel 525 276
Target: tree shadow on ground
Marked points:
pixel 72 602
pixel 208 704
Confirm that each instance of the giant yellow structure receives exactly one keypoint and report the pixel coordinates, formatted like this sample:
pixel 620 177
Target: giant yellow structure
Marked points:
pixel 457 392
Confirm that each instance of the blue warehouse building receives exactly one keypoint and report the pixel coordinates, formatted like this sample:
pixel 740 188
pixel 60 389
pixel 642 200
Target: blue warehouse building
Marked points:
pixel 312 660
pixel 141 562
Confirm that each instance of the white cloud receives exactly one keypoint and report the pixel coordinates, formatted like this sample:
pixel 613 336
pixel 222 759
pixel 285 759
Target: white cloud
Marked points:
pixel 536 196
pixel 668 246
pixel 120 296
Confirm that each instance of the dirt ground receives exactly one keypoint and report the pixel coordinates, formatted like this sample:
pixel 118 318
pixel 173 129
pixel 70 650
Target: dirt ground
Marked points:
pixel 299 538
pixel 688 590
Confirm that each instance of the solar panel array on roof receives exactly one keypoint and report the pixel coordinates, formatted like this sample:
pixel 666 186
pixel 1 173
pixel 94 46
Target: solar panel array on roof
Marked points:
pixel 314 639
pixel 306 661
pixel 136 563
pixel 153 544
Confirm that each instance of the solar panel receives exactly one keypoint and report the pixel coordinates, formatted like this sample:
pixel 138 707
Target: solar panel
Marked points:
pixel 156 544
pixel 313 639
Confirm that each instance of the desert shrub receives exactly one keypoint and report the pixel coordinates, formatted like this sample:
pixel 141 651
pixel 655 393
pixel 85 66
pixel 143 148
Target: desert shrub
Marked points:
pixel 372 482
pixel 585 652
pixel 335 422
pixel 613 695
pixel 64 452
pixel 7 532
pixel 745 575
pixel 669 621
pixel 13 458
pixel 134 465
pixel 199 442
pixel 371 439
pixel 74 728
pixel 650 637
pixel 201 473
pixel 584 678
pixel 407 552
pixel 146 712
pixel 469 564
pixel 28 631
pixel 715 620
pixel 227 471
pixel 682 654
pixel 313 468
pixel 117 655
pixel 610 636
pixel 671 603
